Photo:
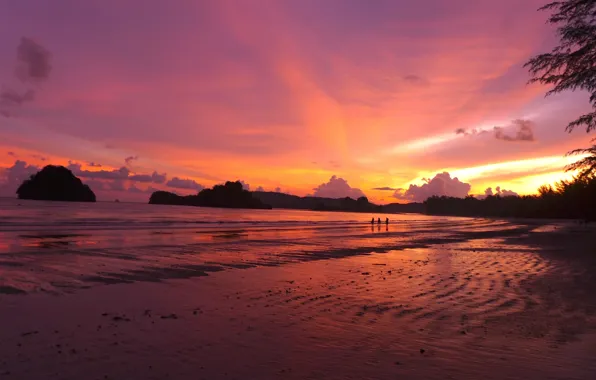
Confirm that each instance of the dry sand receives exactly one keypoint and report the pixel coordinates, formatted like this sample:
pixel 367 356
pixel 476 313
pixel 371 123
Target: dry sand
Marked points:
pixel 495 305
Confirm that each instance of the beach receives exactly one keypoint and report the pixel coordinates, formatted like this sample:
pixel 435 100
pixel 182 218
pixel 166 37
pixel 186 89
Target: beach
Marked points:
pixel 154 292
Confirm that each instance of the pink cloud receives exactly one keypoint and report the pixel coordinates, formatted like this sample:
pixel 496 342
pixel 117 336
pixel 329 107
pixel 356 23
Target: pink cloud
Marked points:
pixel 440 185
pixel 337 188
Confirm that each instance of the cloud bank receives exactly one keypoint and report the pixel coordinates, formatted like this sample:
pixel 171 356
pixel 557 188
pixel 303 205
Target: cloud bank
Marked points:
pixel 181 183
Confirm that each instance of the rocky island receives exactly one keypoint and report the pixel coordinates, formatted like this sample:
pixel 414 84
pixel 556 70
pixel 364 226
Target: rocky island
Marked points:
pixel 55 183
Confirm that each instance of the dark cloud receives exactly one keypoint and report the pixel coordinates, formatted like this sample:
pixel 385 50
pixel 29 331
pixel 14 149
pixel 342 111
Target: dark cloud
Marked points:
pixel 415 80
pixel 10 97
pixel 385 188
pixel 13 176
pixel 93 165
pixel 116 174
pixel 182 183
pixel 33 66
pixel 155 177
pixel 441 184
pixel 470 132
pixel 278 189
pixel 130 159
pixel 39 157
pixel 33 61
pixel 337 188
pixel 260 188
pixel 13 154
pixel 524 131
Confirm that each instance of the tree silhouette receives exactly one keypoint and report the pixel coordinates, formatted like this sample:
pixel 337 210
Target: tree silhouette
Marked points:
pixel 586 165
pixel 571 64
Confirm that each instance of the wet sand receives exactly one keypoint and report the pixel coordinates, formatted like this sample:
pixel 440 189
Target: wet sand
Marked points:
pixel 497 301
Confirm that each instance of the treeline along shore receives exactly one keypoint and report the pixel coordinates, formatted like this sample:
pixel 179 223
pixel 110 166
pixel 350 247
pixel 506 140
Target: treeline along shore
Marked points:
pixel 575 199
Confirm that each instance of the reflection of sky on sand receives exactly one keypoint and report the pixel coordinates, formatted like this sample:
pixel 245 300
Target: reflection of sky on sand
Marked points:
pixel 300 300
pixel 163 243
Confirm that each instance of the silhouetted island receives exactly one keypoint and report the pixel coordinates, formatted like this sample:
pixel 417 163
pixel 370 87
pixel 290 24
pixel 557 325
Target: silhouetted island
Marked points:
pixel 229 195
pixel 55 183
pixel 362 204
pixel 232 195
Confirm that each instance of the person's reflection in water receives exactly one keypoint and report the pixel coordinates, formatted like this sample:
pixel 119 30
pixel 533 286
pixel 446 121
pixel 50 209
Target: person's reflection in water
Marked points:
pixel 379 228
pixel 387 227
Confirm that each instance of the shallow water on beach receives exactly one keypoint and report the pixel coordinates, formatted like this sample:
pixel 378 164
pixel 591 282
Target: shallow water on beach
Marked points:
pixel 57 247
pixel 112 291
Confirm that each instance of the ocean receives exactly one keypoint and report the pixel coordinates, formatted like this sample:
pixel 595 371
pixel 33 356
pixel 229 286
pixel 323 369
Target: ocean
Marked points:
pixel 59 247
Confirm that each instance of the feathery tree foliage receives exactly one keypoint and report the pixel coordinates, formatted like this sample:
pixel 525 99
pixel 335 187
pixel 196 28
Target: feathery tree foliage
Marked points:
pixel 572 64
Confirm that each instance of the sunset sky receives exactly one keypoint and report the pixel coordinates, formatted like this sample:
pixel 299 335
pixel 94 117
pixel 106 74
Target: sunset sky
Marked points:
pixel 282 94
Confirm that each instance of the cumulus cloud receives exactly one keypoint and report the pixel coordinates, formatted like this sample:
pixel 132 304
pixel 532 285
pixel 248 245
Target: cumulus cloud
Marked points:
pixel 245 185
pixel 182 183
pixel 260 188
pixel 385 188
pixel 337 188
pixel 441 185
pixel 524 131
pixel 500 192
pixel 13 176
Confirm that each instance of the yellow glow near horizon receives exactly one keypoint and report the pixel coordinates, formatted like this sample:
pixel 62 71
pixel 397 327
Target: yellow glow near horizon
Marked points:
pixel 526 182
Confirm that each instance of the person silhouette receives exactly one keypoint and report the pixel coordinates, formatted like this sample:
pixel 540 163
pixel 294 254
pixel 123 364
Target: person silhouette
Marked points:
pixel 372 221
pixel 379 220
pixel 386 220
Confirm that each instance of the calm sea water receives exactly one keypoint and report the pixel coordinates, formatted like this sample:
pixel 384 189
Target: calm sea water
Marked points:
pixel 57 247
